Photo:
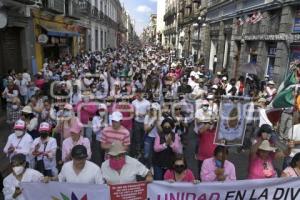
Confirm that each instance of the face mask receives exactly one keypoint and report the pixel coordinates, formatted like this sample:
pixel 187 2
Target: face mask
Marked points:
pixel 205 108
pixel 117 164
pixel 19 133
pixel 102 114
pixel 18 170
pixel 67 114
pixel 15 107
pixel 167 130
pixel 179 169
pixel 86 99
pixel 44 135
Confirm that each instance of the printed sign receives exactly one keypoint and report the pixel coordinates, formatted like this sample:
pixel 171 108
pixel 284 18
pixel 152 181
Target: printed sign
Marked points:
pixel 135 191
pixel 232 123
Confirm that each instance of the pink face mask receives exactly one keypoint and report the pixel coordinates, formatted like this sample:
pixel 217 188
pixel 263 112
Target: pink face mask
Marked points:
pixel 117 164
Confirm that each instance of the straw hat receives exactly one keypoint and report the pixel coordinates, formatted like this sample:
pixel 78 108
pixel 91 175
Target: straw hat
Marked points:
pixel 265 146
pixel 116 148
pixel 27 109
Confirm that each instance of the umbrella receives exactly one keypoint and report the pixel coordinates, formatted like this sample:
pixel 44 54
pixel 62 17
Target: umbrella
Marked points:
pixel 251 68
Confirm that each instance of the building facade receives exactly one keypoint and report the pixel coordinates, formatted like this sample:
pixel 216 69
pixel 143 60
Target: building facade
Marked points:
pixel 263 32
pixel 37 30
pixel 161 10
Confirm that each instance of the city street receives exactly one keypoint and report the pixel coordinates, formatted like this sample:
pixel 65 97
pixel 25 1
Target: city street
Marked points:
pixel 149 99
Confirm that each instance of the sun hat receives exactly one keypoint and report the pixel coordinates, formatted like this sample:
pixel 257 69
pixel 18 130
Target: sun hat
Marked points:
pixel 27 109
pixel 265 146
pixel 262 100
pixel 116 148
pixel 75 128
pixel 271 83
pixel 19 125
pixel 116 116
pixel 155 106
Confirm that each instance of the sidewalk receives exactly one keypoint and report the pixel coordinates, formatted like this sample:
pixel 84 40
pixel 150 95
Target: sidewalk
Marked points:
pixel 4 133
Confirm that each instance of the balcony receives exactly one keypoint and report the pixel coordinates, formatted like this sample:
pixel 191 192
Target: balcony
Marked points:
pixel 84 7
pixel 170 14
pixel 72 9
pixel 55 6
pixel 94 12
pixel 27 2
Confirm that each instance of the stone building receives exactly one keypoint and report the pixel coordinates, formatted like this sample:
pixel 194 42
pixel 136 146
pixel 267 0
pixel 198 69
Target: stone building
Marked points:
pixel 38 29
pixel 237 37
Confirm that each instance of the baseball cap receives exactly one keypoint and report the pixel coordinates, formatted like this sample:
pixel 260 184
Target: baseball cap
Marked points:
pixel 68 106
pixel 116 116
pixel 116 148
pixel 44 126
pixel 19 125
pixel 79 152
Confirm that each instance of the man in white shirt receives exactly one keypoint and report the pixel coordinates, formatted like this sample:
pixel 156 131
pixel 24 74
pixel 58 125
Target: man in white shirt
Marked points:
pixel 141 106
pixel 80 170
pixel 122 169
pixel 20 174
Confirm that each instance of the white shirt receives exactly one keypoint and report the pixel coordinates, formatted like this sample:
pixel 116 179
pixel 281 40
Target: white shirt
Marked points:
pixel 50 148
pixel 263 118
pixel 10 183
pixel 21 145
pixel 150 122
pixel 90 174
pixel 98 125
pixel 128 173
pixel 140 107
pixel 295 136
pixel 23 86
pixel 26 76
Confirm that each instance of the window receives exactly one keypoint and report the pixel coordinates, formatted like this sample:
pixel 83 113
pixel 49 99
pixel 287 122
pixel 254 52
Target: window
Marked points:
pixel 101 39
pixel 105 39
pixel 96 40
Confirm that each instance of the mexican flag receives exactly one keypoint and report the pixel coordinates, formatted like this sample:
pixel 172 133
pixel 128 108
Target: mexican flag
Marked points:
pixel 285 96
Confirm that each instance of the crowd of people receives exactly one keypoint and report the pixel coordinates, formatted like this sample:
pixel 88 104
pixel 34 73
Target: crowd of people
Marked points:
pixel 138 105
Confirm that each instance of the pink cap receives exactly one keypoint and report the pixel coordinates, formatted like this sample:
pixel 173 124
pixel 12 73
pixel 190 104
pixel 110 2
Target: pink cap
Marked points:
pixel 76 128
pixel 68 106
pixel 19 125
pixel 44 127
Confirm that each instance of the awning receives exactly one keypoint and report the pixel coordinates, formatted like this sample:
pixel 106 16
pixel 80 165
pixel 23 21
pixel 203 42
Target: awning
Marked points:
pixel 59 31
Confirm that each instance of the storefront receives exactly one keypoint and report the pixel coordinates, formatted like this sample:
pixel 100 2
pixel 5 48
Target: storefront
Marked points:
pixel 55 39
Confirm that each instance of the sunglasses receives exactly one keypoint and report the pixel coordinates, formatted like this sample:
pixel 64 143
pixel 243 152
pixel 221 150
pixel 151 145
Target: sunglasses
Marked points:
pixel 179 166
pixel 177 108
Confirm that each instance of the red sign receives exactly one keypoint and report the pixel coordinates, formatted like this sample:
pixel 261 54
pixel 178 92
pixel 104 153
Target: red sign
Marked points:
pixel 134 191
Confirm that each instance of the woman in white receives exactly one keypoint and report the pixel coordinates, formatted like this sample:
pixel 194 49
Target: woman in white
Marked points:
pixel 44 150
pixel 151 124
pixel 99 123
pixel 20 173
pixel 31 121
pixel 19 141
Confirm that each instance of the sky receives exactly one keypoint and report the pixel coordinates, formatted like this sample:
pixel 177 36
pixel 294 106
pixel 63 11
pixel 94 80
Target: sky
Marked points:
pixel 140 11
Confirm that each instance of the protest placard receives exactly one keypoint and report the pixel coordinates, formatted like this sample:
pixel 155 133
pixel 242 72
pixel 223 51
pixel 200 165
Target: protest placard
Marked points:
pixel 232 121
pixel 134 191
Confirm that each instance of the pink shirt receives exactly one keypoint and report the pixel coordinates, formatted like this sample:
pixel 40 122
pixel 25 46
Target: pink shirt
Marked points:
pixel 87 111
pixel 208 170
pixel 127 111
pixel 68 144
pixel 109 135
pixel 290 172
pixel 206 145
pixel 176 145
pixel 65 127
pixel 188 176
pixel 260 169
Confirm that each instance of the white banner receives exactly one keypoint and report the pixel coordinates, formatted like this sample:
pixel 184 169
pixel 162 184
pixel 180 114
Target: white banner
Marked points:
pixel 64 191
pixel 266 189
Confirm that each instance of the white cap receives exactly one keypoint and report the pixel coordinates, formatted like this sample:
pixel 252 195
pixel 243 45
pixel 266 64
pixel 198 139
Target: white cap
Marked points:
pixel 215 87
pixel 271 83
pixel 116 116
pixel 224 78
